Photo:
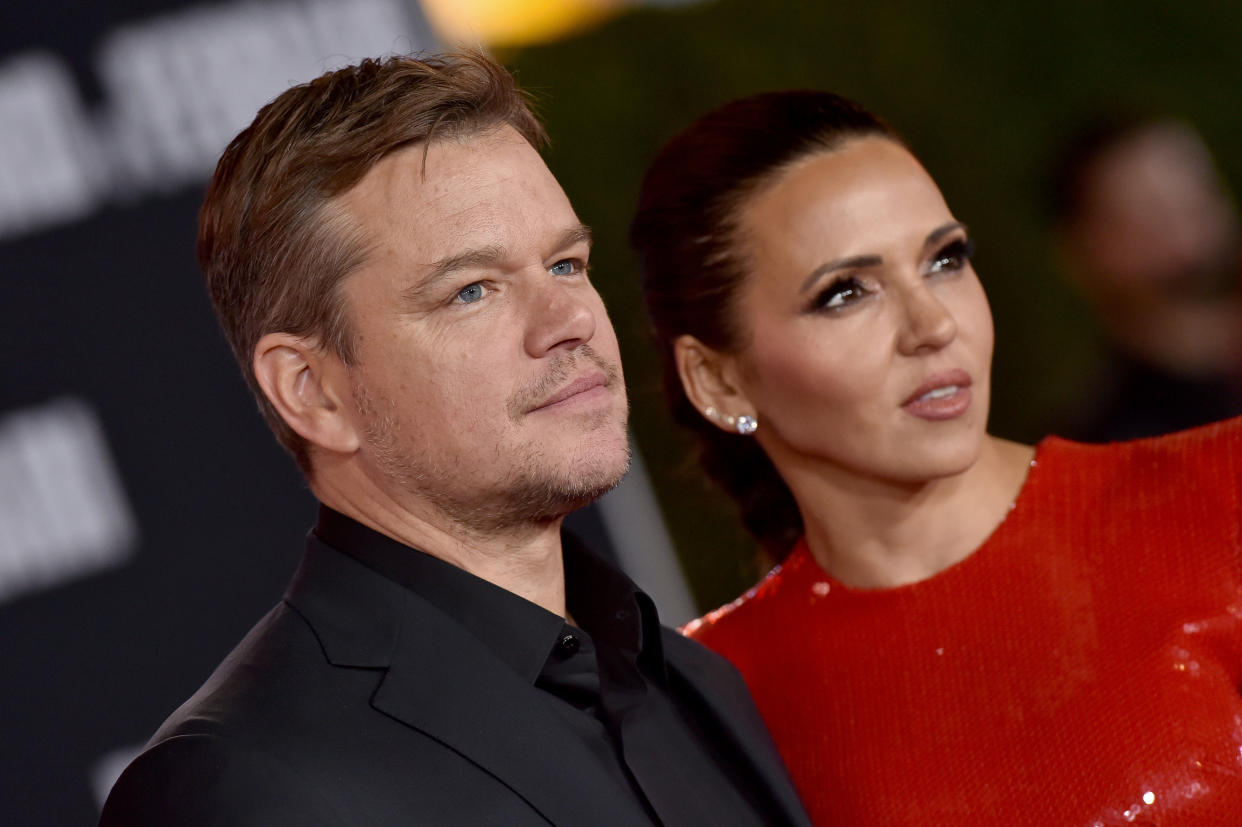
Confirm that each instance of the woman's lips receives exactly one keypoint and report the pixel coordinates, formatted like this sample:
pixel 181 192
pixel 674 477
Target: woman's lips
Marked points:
pixel 942 396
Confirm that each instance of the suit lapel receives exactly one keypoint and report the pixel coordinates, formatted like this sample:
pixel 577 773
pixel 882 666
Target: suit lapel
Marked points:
pixel 722 693
pixel 450 687
pixel 445 683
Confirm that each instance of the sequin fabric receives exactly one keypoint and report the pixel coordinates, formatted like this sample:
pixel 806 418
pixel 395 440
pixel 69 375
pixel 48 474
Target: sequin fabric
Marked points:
pixel 1082 667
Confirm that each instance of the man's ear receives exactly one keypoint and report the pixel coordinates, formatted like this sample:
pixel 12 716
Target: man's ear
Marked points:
pixel 711 382
pixel 309 388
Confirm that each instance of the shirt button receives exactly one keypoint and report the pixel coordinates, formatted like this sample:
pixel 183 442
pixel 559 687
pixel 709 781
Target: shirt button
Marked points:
pixel 567 645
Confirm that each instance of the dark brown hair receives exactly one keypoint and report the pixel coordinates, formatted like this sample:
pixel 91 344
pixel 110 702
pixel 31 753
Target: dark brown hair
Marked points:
pixel 273 245
pixel 685 235
pixel 1077 161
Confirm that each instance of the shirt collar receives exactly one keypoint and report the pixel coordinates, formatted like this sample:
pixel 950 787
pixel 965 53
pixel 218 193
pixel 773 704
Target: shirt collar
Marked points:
pixel 517 631
pixel 602 600
pixel 607 605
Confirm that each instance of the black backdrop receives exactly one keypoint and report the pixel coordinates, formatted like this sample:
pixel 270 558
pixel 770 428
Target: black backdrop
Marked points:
pixel 94 663
pixel 110 349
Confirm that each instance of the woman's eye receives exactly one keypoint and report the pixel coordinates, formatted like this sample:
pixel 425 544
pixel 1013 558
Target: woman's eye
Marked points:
pixel 839 294
pixel 565 267
pixel 953 256
pixel 471 293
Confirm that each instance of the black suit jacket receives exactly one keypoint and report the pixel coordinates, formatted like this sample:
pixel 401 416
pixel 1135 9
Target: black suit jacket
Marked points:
pixel 355 701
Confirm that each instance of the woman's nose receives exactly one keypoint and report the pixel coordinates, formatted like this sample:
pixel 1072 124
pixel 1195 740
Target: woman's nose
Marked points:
pixel 928 324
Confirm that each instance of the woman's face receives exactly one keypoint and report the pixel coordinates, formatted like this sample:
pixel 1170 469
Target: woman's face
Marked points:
pixel 869 336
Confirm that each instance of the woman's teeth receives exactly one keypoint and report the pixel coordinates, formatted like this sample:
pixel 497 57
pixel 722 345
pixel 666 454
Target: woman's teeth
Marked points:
pixel 940 393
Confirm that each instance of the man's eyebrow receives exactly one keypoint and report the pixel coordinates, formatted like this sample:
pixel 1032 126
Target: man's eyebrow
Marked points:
pixel 474 259
pixel 575 235
pixel 489 256
pixel 478 258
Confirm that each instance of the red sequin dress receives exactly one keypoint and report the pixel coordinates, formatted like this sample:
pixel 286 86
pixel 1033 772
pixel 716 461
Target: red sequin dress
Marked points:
pixel 1082 667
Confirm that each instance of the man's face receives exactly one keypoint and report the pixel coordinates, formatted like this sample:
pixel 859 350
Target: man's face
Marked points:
pixel 487 377
pixel 1155 220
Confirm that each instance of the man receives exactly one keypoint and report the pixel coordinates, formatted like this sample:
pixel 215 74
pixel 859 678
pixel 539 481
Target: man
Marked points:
pixel 1149 235
pixel 405 286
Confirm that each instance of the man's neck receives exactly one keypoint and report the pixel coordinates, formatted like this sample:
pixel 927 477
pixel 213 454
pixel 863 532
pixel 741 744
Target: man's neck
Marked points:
pixel 524 559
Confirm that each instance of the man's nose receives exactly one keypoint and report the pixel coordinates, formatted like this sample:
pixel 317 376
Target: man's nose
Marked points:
pixel 560 315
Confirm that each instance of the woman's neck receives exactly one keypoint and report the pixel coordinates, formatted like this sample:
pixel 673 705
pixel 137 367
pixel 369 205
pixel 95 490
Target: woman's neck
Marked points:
pixel 874 534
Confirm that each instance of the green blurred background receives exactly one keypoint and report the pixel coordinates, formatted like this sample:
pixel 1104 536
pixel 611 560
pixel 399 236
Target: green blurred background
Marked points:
pixel 985 93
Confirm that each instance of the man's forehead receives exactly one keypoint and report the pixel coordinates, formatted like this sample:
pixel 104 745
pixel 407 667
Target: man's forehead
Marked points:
pixel 427 168
pixel 483 203
pixel 462 191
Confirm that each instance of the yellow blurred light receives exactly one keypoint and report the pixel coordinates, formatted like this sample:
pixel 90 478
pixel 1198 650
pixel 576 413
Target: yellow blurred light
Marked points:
pixel 514 22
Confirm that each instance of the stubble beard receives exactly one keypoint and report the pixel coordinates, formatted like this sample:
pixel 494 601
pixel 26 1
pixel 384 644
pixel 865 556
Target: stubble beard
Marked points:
pixel 535 490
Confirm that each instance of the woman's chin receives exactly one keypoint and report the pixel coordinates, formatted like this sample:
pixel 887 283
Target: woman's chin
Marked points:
pixel 946 458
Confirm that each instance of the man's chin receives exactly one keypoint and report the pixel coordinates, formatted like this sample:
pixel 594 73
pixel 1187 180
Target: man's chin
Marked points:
pixel 590 478
pixel 540 497
pixel 586 485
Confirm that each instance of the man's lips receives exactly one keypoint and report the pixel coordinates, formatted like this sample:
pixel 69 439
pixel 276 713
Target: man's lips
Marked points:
pixel 587 383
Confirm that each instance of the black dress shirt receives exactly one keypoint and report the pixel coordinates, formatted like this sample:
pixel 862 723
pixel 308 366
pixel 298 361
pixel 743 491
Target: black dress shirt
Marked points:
pixel 1132 398
pixel 605 677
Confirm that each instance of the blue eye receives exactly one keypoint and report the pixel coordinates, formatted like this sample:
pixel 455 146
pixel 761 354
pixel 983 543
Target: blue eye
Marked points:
pixel 470 294
pixel 565 267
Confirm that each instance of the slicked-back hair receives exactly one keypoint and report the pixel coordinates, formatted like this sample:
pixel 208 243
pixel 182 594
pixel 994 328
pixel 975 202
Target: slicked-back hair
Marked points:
pixel 274 244
pixel 685 233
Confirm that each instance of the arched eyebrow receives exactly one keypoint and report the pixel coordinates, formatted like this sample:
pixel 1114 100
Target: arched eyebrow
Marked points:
pixel 846 263
pixel 941 231
pixel 857 262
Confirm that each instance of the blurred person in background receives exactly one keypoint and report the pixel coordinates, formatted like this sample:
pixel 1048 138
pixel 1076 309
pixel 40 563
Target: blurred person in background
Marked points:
pixel 405 286
pixel 962 630
pixel 1147 232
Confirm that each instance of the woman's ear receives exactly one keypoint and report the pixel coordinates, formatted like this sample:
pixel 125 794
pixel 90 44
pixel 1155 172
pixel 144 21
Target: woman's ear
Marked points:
pixel 712 383
pixel 309 388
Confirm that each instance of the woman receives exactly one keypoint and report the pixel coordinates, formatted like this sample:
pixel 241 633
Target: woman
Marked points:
pixel 964 630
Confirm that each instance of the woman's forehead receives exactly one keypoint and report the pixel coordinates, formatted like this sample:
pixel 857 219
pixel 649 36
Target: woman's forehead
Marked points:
pixel 871 191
